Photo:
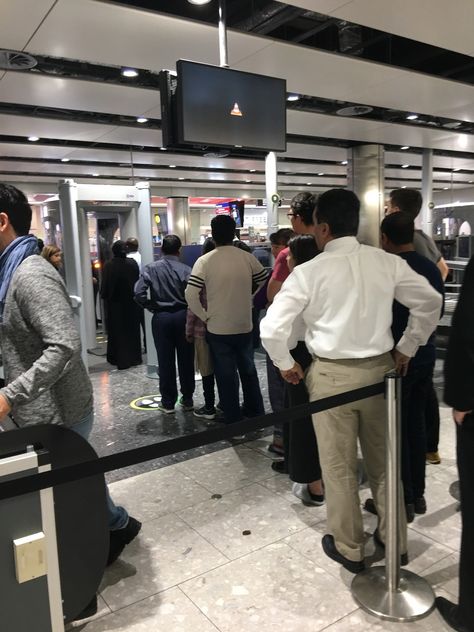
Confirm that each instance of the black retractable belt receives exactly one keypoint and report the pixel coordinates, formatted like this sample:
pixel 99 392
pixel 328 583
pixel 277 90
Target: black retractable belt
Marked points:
pixel 66 474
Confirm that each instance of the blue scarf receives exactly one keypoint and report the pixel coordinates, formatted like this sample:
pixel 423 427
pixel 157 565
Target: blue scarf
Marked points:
pixel 16 252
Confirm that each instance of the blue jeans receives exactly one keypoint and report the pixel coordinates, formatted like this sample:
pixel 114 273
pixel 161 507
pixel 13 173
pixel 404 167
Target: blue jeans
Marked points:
pixel 231 354
pixel 118 516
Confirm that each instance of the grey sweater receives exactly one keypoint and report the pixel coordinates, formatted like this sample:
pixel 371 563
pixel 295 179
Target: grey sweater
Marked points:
pixel 46 380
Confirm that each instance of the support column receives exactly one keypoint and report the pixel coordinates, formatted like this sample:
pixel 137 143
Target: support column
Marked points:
pixel 145 239
pixel 179 223
pixel 271 185
pixel 68 197
pixel 365 176
pixel 426 216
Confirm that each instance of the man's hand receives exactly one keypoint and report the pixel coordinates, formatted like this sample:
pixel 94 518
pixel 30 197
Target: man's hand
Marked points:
pixel 293 375
pixel 401 362
pixel 458 415
pixel 5 407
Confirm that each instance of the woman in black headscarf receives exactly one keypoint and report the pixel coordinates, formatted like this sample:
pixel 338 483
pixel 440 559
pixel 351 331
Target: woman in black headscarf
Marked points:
pixel 122 314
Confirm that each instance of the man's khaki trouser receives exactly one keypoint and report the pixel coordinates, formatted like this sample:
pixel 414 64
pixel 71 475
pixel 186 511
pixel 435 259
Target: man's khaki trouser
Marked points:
pixel 337 431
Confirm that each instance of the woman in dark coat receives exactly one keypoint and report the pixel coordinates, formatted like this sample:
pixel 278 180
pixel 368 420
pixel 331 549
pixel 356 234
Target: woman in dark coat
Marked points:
pixel 122 314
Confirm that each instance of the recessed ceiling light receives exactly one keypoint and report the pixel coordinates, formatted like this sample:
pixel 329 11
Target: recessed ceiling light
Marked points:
pixel 320 174
pixel 471 181
pixel 180 178
pixel 142 119
pixel 172 166
pixel 199 2
pixel 162 148
pixel 129 72
pixel 252 170
pixel 404 186
pixel 238 146
pixel 343 162
pixel 65 159
pixel 412 117
pixel 405 166
pixel 248 181
pixel 96 175
pixel 405 147
pixel 457 169
pixel 445 188
pixel 309 183
pixel 292 97
pixel 33 139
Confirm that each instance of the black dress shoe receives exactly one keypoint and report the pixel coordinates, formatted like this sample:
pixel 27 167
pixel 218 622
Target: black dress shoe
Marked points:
pixel 369 506
pixel 410 509
pixel 450 613
pixel 330 549
pixel 420 505
pixel 121 537
pixel 280 467
pixel 403 557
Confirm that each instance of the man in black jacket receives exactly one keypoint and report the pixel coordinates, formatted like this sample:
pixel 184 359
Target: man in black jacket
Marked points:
pixel 459 393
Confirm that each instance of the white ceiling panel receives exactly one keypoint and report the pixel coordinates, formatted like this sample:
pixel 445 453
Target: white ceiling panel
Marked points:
pixel 113 34
pixel 439 23
pixel 26 126
pixel 315 152
pixel 132 136
pixel 32 150
pixel 19 20
pixel 78 95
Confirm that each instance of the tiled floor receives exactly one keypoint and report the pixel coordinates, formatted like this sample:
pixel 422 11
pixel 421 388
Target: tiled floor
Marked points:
pixel 226 546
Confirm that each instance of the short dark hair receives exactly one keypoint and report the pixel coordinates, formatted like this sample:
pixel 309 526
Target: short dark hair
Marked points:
pixel 303 204
pixel 119 249
pixel 281 237
pixel 399 228
pixel 223 229
pixel 132 244
pixel 339 208
pixel 303 248
pixel 171 245
pixel 408 201
pixel 14 203
pixel 208 245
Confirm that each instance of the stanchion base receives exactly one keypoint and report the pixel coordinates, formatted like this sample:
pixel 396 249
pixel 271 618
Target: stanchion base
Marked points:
pixel 413 600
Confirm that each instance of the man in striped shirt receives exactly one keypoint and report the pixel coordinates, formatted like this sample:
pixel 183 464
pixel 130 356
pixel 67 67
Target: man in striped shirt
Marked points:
pixel 231 276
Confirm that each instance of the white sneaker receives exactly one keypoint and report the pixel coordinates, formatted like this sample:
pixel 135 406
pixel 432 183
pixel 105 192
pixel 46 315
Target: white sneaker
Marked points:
pixel 301 491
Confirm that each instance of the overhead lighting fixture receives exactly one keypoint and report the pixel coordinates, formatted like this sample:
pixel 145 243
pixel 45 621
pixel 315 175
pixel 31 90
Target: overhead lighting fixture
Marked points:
pixel 252 170
pixel 405 147
pixel 180 178
pixel 199 2
pixel 343 162
pixel 457 169
pixel 248 181
pixel 445 188
pixel 162 148
pixel 309 183
pixel 292 97
pixel 405 166
pixel 412 117
pixel 95 175
pixel 65 159
pixel 172 166
pixel 320 174
pixel 142 119
pixel 404 186
pixel 470 181
pixel 129 72
pixel 33 139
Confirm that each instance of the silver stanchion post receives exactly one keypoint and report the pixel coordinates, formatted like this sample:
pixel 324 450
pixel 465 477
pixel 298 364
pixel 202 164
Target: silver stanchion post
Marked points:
pixel 389 592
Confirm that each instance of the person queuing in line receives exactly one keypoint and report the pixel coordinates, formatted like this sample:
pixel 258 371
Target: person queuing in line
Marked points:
pixel 301 448
pixel 46 380
pixel 132 251
pixel 345 297
pixel 301 217
pixel 196 334
pixel 409 201
pixel 122 314
pixel 166 281
pixel 459 393
pixel 276 384
pixel 397 238
pixel 54 255
pixel 230 276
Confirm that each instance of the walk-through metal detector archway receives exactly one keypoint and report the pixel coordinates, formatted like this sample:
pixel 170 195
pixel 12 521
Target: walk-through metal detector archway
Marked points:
pixel 132 204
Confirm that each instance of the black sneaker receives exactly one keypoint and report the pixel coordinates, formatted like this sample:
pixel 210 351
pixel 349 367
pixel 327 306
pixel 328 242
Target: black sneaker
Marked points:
pixel 186 404
pixel 205 412
pixel 121 537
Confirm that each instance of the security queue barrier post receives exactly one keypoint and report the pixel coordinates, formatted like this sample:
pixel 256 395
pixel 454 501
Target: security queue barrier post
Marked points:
pixel 389 592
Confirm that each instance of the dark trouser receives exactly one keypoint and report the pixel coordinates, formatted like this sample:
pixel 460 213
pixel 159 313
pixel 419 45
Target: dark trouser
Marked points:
pixel 232 353
pixel 299 439
pixel 276 393
pixel 432 420
pixel 465 454
pixel 415 389
pixel 168 333
pixel 208 390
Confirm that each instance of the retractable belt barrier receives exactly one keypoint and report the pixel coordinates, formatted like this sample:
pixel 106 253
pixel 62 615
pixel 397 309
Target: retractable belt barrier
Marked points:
pixel 67 474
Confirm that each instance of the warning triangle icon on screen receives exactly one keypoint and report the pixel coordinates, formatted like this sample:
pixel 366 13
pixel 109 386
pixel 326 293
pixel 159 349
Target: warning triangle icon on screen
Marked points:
pixel 236 110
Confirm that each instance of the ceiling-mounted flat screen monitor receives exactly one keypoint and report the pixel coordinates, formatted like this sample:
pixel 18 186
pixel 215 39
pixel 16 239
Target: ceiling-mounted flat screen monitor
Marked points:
pixel 235 209
pixel 219 107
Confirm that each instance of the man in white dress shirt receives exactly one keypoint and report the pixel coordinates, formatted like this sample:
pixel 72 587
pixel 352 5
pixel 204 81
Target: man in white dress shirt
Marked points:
pixel 345 296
